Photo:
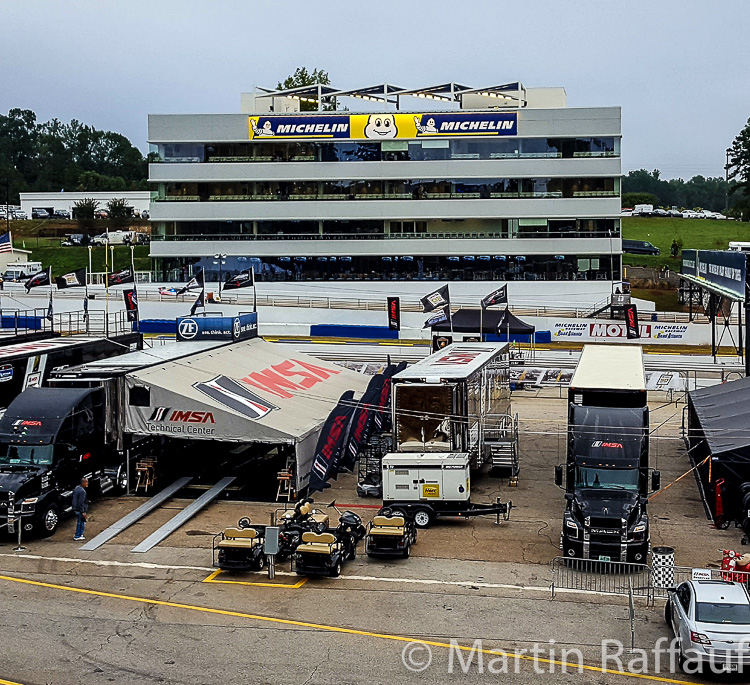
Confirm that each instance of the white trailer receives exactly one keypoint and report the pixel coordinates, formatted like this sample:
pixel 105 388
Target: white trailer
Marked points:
pixel 457 400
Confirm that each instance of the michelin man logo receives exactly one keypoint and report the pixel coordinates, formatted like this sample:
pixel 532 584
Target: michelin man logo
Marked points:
pixel 265 130
pixel 381 126
pixel 428 128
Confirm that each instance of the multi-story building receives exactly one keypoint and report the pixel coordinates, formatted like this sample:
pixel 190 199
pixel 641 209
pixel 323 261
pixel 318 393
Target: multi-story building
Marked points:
pixel 490 184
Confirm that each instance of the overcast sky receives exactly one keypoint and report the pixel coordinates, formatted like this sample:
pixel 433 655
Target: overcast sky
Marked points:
pixel 678 68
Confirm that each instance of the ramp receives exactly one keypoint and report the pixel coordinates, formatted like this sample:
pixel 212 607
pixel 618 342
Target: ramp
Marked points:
pixel 135 515
pixel 185 515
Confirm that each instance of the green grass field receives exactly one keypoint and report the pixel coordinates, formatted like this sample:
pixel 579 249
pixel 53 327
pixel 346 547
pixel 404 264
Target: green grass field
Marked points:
pixel 63 260
pixel 700 234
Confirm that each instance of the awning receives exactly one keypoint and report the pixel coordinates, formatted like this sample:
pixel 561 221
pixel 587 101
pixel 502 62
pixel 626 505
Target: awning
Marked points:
pixel 723 413
pixel 492 322
pixel 253 391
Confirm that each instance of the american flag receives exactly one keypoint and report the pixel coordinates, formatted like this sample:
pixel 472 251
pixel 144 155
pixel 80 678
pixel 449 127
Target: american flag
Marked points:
pixel 5 244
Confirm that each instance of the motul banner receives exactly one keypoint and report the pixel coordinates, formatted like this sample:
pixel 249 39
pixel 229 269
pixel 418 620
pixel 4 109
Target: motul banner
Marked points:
pixel 631 322
pixel 394 314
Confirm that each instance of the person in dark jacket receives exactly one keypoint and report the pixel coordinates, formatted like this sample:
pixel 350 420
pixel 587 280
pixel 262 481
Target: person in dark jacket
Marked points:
pixel 81 507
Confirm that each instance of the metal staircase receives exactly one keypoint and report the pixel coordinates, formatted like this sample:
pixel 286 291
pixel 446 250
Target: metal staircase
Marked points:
pixel 500 445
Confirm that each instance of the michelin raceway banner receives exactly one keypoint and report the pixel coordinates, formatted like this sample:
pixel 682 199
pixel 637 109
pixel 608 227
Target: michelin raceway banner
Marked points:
pixel 383 126
pixel 577 330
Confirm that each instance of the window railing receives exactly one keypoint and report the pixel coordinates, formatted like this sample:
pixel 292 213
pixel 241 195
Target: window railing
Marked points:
pixel 501 235
pixel 450 195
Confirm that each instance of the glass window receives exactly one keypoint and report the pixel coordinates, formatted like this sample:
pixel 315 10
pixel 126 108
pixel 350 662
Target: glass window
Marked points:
pixel 26 454
pixel 714 612
pixel 617 479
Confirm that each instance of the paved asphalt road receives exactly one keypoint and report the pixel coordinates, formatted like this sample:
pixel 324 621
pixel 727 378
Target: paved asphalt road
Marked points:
pixel 137 625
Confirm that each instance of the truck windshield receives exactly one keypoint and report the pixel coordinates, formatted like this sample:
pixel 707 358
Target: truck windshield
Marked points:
pixel 26 454
pixel 617 479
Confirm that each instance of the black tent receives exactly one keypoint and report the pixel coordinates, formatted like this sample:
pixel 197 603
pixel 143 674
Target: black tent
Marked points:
pixel 719 427
pixel 493 322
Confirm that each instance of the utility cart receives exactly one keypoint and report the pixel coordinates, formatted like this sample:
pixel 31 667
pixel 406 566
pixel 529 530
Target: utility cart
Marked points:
pixel 240 549
pixel 390 536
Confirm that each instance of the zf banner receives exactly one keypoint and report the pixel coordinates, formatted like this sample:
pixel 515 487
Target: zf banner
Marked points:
pixel 383 126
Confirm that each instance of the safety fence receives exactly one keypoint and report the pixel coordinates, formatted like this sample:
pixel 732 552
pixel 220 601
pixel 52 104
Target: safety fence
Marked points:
pixel 633 580
pixel 602 577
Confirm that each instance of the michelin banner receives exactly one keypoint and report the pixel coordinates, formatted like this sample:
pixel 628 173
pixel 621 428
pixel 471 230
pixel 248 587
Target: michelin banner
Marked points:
pixel 383 126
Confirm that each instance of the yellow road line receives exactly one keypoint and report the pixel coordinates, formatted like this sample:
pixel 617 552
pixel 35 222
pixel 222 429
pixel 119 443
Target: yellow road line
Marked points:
pixel 211 579
pixel 337 629
pixel 8 682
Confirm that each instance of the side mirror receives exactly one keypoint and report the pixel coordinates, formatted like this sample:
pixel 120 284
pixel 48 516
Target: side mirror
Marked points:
pixel 559 476
pixel 655 481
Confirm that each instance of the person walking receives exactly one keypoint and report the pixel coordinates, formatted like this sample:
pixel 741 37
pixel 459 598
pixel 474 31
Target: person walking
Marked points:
pixel 81 507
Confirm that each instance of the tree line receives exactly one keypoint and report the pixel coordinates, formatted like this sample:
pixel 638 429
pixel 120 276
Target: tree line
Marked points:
pixel 53 156
pixel 646 187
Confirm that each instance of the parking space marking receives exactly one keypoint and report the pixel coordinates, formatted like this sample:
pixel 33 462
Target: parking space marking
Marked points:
pixel 104 562
pixel 211 579
pixel 337 629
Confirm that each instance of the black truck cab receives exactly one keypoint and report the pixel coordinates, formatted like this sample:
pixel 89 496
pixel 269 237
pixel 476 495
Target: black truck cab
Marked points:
pixel 607 484
pixel 50 438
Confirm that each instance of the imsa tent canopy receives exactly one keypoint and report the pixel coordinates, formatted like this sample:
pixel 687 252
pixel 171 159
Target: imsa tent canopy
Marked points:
pixel 493 322
pixel 719 428
pixel 247 392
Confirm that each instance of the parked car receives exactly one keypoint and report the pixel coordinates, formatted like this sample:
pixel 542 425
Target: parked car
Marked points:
pixel 661 212
pixel 101 214
pixel 689 214
pixel 61 214
pixel 675 213
pixel 112 238
pixel 76 240
pixel 639 247
pixel 19 215
pixel 711 619
pixel 38 213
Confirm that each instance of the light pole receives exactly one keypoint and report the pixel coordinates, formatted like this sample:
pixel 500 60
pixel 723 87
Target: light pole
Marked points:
pixel 220 259
pixel 726 180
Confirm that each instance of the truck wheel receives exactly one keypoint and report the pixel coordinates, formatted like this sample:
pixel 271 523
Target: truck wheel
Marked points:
pixel 48 521
pixel 422 518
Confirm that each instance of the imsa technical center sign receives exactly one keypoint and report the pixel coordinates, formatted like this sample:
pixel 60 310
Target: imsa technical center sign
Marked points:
pixel 234 328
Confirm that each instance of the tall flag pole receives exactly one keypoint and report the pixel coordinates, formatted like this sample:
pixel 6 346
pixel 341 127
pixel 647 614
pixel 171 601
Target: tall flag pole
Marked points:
pixel 255 291
pixel 135 291
pixel 106 286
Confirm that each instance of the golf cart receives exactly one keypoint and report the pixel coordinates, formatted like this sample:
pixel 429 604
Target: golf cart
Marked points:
pixel 390 536
pixel 324 553
pixel 240 549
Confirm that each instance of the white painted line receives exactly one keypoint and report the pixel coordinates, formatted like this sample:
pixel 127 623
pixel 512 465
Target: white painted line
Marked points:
pixel 102 562
pixel 367 579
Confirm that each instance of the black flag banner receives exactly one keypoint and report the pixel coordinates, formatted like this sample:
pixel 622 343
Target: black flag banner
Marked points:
pixel 631 322
pixel 194 283
pixel 244 279
pixel 198 303
pixel 437 318
pixel 42 278
pixel 394 314
pixel 331 442
pixel 72 280
pixel 440 298
pixel 121 277
pixel 360 426
pixel 131 304
pixel 499 296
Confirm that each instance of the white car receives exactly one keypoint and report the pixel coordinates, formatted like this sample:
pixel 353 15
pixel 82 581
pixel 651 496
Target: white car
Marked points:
pixel 19 215
pixel 711 620
pixel 689 214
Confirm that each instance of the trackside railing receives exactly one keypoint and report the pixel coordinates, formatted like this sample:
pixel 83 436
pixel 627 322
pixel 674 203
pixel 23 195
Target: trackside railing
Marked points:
pixel 602 577
pixel 672 576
